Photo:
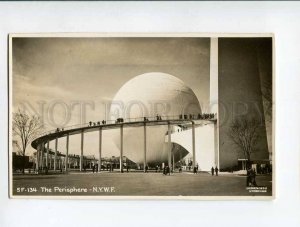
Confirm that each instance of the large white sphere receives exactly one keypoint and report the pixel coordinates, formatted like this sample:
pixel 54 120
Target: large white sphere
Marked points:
pixel 147 95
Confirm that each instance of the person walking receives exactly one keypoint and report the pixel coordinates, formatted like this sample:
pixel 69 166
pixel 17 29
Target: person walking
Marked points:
pixel 168 170
pixel 195 170
pixel 212 171
pixel 216 170
pixel 253 177
pixel 146 169
pixel 248 182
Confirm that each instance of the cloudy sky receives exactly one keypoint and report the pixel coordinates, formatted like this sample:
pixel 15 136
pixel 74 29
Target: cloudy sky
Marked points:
pixel 63 72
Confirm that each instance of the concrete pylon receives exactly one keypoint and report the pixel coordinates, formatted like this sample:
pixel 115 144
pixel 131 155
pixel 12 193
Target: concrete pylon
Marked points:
pixel 100 149
pixel 42 155
pixel 47 155
pixel 193 144
pixel 173 160
pixel 216 140
pixel 50 160
pixel 214 92
pixel 55 154
pixel 81 153
pixel 169 145
pixel 145 147
pixel 37 158
pixel 121 150
pixel 67 153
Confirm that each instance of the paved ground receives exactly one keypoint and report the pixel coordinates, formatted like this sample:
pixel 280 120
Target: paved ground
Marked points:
pixel 143 184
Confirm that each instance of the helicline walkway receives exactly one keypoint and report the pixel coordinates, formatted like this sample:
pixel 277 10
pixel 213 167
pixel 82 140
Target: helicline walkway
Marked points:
pixel 41 143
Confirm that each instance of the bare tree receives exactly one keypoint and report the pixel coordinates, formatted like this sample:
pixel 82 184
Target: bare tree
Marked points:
pixel 25 128
pixel 244 134
pixel 18 148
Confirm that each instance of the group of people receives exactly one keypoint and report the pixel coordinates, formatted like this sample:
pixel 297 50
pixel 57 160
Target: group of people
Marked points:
pixel 203 116
pixel 214 171
pixel 158 118
pixel 95 168
pixel 206 116
pixel 96 123
pixel 110 168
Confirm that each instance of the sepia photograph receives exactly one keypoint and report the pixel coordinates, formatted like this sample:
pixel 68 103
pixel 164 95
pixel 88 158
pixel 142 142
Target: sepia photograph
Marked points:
pixel 151 116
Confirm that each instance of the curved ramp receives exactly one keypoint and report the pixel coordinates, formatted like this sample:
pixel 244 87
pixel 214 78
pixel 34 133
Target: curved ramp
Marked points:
pixel 206 155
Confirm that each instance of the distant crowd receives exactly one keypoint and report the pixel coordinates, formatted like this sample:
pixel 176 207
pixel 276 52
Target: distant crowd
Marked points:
pixel 203 116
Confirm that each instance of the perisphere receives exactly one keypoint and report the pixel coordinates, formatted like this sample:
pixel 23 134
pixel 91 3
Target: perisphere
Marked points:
pixel 150 95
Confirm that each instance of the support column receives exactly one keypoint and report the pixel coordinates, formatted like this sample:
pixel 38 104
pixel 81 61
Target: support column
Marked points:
pixel 121 150
pixel 173 161
pixel 47 155
pixel 214 76
pixel 214 95
pixel 216 143
pixel 81 154
pixel 59 163
pixel 55 154
pixel 100 149
pixel 169 144
pixel 37 158
pixel 193 144
pixel 42 155
pixel 67 153
pixel 145 147
pixel 50 161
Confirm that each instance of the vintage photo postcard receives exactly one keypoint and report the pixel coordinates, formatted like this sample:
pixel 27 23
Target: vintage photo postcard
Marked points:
pixel 141 116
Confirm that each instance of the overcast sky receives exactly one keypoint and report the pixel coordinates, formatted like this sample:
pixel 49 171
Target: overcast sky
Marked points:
pixel 68 70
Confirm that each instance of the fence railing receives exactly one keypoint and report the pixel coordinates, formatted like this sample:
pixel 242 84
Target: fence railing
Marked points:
pixel 118 121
